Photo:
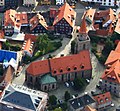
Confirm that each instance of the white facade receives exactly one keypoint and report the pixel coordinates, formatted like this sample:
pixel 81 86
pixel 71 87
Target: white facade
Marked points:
pixel 1 2
pixel 59 2
pixel 113 87
pixel 29 2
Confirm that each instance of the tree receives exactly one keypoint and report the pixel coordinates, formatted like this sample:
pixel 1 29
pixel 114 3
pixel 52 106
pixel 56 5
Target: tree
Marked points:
pixel 42 42
pixel 64 106
pixel 79 83
pixel 109 45
pixel 67 96
pixel 58 109
pixel 73 47
pixel 52 100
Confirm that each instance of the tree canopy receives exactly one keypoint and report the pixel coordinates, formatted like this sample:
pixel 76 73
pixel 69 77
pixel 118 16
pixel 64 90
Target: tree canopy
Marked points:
pixel 52 100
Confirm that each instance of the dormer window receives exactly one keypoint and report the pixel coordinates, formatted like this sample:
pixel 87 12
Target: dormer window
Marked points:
pixel 75 68
pixel 68 69
pixel 82 66
pixel 54 71
pixel 101 101
pixel 61 70
pixel 106 99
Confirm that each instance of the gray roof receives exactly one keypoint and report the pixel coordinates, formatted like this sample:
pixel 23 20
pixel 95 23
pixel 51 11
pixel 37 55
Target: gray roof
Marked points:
pixel 21 98
pixel 82 101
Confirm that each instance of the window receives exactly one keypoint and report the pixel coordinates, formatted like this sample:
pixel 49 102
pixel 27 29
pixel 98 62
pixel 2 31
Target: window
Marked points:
pixel 30 79
pixel 53 86
pixel 45 88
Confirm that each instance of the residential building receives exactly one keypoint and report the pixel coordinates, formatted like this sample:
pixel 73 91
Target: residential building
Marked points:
pixel 59 2
pixel 88 108
pixel 103 24
pixel 28 44
pixel 1 38
pixel 82 41
pixel 38 24
pixel 103 101
pixel 79 67
pixel 11 4
pixel 118 108
pixel 2 4
pixel 110 79
pixel 80 103
pixel 65 20
pixel 103 2
pixel 29 3
pixel 20 98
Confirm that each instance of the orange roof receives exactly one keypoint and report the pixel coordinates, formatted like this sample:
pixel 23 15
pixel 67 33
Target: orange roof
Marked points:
pixel 103 98
pixel 1 34
pixel 29 36
pixel 77 62
pixel 88 108
pixel 38 68
pixel 117 28
pixel 9 17
pixel 113 73
pixel 83 28
pixel 36 20
pixel 117 49
pixel 9 74
pixel 21 18
pixel 67 13
pixel 0 45
pixel 113 56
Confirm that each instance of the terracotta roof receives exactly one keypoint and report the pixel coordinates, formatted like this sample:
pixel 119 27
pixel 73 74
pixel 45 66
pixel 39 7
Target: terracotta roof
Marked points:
pixel 77 62
pixel 117 28
pixel 112 74
pixel 29 36
pixel 36 20
pixel 38 68
pixel 103 98
pixel 88 108
pixel 21 18
pixel 67 13
pixel 9 74
pixel 113 56
pixel 53 12
pixel 9 17
pixel 1 34
pixel 83 28
pixel 117 49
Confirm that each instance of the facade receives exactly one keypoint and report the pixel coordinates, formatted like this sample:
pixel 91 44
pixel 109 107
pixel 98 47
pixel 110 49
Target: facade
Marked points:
pixel 20 98
pixel 103 101
pixel 79 67
pixel 110 80
pixel 11 4
pixel 29 3
pixel 80 103
pixel 65 20
pixel 28 45
pixel 82 41
pixel 38 24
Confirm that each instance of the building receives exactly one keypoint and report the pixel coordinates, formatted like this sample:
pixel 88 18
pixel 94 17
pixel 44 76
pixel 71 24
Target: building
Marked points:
pixel 38 24
pixel 88 108
pixel 103 2
pixel 118 108
pixel 110 79
pixel 80 103
pixel 29 3
pixel 59 2
pixel 103 23
pixel 65 20
pixel 79 67
pixel 82 41
pixel 103 101
pixel 20 98
pixel 28 44
pixel 2 4
pixel 11 4
pixel 1 38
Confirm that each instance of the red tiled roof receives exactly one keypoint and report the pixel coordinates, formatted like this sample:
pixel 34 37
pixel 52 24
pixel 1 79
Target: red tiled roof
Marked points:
pixel 103 98
pixel 65 12
pixel 38 68
pixel 1 34
pixel 117 49
pixel 53 12
pixel 29 36
pixel 88 108
pixel 21 18
pixel 75 63
pixel 36 20
pixel 9 17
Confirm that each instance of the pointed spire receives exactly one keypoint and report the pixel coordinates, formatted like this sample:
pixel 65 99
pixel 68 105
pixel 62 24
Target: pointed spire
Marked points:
pixel 83 29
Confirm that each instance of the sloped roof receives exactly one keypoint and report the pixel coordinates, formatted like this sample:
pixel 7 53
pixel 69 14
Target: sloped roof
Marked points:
pixel 38 67
pixel 88 108
pixel 103 98
pixel 36 20
pixel 117 49
pixel 65 12
pixel 47 79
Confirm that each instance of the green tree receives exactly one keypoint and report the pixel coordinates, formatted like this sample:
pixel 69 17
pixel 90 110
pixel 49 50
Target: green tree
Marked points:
pixel 52 100
pixel 79 83
pixel 58 109
pixel 73 47
pixel 67 95
pixel 64 106
pixel 42 42
pixel 109 45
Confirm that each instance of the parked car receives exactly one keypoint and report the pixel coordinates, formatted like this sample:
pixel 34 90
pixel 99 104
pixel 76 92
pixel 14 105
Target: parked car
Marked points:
pixel 73 96
pixel 112 105
pixel 72 83
pixel 67 85
pixel 98 86
pixel 60 101
pixel 88 81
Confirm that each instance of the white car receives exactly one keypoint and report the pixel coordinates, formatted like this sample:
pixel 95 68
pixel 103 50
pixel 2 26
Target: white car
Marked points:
pixel 112 105
pixel 67 85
